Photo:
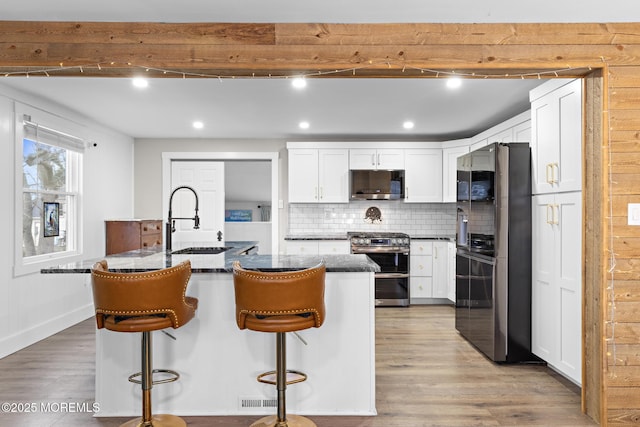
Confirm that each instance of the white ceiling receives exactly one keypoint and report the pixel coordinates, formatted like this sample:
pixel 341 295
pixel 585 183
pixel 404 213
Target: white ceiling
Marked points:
pixel 271 108
pixel 328 11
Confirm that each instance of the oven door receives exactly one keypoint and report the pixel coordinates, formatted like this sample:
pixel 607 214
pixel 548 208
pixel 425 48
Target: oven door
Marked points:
pixel 392 282
pixel 391 262
pixel 392 290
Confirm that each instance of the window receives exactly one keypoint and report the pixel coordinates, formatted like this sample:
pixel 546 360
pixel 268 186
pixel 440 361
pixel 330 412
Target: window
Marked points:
pixel 48 200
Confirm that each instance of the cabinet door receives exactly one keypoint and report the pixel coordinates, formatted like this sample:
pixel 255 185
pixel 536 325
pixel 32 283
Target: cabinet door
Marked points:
pixel 505 135
pixel 423 176
pixel 333 176
pixel 569 174
pixel 544 301
pixel 303 175
pixel 440 270
pixel 449 172
pixel 569 277
pixel 556 140
pixel 557 282
pixel 451 248
pixel 382 158
pixel 522 132
pixel 362 158
pixel 390 158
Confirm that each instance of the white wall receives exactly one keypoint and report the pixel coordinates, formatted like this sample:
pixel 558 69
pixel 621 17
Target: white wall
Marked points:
pixel 34 306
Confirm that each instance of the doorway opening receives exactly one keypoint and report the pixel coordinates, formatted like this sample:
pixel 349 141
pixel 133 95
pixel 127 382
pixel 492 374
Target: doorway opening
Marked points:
pixel 251 164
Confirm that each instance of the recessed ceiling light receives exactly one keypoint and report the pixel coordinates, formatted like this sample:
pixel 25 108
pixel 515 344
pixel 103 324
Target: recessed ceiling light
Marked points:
pixel 408 124
pixel 303 125
pixel 140 82
pixel 454 82
pixel 198 124
pixel 299 83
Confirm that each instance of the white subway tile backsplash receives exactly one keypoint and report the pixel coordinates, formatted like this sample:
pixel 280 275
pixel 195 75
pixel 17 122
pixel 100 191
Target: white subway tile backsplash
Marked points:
pixel 433 219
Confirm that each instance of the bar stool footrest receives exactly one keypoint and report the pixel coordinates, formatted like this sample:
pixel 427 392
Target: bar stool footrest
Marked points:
pixel 292 421
pixel 174 376
pixel 158 420
pixel 293 377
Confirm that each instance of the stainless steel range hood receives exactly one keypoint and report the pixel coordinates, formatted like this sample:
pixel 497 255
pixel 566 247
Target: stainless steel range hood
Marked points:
pixel 377 184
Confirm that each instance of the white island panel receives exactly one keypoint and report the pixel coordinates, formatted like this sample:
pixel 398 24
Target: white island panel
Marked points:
pixel 219 363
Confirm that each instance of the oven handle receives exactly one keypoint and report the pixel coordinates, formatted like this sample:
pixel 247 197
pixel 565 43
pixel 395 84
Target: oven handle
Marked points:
pixel 379 251
pixel 391 275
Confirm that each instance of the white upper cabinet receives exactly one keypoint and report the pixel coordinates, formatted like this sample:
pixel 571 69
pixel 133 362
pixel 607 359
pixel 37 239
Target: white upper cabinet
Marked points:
pixel 449 172
pixel 318 176
pixel 381 158
pixel 515 129
pixel 423 175
pixel 522 132
pixel 556 137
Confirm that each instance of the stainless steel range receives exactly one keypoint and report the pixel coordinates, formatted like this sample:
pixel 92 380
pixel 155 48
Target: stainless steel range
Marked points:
pixel 391 252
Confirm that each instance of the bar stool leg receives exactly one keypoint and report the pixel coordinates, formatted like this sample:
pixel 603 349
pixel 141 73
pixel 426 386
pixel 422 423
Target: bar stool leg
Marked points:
pixel 281 377
pixel 281 419
pixel 147 378
pixel 148 419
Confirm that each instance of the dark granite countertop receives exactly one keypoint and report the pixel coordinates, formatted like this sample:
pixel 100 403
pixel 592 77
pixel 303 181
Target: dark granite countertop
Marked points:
pixel 158 258
pixel 436 238
pixel 336 236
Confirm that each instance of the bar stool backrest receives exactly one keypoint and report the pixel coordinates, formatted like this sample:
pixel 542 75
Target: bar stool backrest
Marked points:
pixel 279 301
pixel 127 296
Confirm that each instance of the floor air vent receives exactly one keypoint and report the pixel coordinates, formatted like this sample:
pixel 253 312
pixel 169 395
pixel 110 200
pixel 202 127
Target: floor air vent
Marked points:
pixel 248 403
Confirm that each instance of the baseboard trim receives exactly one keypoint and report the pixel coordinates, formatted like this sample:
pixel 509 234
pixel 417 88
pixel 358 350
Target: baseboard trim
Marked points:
pixel 27 337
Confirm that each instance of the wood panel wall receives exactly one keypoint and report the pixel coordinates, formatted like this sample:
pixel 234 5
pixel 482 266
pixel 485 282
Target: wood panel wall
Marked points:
pixel 607 55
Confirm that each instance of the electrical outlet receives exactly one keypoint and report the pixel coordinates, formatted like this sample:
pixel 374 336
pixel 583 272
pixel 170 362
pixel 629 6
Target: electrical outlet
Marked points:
pixel 634 214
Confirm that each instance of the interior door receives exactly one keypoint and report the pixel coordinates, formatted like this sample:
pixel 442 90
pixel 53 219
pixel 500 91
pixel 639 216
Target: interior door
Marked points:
pixel 207 179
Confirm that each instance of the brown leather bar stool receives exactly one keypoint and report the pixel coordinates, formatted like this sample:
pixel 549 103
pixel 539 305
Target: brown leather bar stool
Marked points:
pixel 280 302
pixel 144 302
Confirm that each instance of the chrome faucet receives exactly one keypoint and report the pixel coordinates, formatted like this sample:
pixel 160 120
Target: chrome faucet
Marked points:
pixel 170 226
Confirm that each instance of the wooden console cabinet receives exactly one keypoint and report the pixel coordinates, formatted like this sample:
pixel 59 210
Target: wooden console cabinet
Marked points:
pixel 131 234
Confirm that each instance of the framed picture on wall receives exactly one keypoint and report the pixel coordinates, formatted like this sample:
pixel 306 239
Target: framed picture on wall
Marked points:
pixel 51 219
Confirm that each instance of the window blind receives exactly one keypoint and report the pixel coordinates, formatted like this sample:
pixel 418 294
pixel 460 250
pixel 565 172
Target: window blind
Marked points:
pixel 49 136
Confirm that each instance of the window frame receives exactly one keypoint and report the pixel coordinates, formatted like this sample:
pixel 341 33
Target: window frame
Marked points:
pixel 75 159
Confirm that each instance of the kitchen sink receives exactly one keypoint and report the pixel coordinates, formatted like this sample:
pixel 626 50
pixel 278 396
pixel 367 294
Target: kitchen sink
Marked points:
pixel 198 250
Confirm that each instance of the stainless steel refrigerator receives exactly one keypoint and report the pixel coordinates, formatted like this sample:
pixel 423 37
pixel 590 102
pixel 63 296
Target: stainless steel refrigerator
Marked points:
pixel 493 259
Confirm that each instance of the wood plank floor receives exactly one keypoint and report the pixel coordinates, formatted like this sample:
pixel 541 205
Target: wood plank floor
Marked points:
pixel 427 375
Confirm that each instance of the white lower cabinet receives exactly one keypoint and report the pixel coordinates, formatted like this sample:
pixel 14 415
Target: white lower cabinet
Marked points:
pixel 557 282
pixel 431 276
pixel 317 247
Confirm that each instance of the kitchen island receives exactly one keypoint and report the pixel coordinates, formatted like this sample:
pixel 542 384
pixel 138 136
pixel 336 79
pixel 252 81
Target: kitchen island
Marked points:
pixel 219 363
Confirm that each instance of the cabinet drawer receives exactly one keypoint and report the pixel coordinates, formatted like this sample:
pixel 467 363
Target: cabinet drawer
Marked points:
pixel 150 227
pixel 302 247
pixel 421 265
pixel 421 248
pixel 421 287
pixel 150 240
pixel 334 247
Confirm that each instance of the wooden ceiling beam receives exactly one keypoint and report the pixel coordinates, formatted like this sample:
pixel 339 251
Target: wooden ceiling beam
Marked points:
pixel 365 50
